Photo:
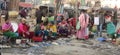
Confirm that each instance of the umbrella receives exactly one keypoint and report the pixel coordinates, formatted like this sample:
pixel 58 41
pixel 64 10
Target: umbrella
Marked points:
pixel 84 7
pixel 47 5
pixel 107 9
pixel 23 4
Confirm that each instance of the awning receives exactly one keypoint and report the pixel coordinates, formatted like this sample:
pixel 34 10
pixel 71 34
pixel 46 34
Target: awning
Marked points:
pixel 23 4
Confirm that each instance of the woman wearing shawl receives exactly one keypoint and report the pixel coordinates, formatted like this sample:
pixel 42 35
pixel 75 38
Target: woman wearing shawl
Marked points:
pixel 7 29
pixel 84 21
pixel 63 27
pixel 23 29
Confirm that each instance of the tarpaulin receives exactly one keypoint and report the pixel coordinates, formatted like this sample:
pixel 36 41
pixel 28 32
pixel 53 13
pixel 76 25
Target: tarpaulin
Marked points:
pixel 23 4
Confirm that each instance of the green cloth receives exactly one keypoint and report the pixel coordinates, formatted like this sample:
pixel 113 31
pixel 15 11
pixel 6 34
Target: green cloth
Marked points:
pixel 10 34
pixel 51 18
pixel 110 28
pixel 94 29
pixel 82 2
pixel 78 25
pixel 54 34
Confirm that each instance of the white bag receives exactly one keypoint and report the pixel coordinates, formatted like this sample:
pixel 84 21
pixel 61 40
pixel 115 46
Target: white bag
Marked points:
pixel 96 20
pixel 87 31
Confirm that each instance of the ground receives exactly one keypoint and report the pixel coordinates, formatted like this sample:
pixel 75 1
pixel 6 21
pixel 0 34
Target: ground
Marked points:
pixel 67 46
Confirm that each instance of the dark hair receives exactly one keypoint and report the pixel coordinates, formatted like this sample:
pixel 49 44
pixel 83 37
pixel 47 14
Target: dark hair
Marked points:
pixel 46 23
pixel 52 22
pixel 83 10
pixel 41 21
pixel 62 17
pixel 6 19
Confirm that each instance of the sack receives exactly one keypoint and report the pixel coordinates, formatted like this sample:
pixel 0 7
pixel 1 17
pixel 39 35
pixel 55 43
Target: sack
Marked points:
pixel 78 25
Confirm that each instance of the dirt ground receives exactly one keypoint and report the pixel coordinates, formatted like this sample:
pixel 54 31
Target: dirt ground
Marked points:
pixel 89 47
pixel 67 46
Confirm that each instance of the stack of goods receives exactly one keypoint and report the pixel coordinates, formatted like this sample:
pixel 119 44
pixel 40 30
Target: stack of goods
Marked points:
pixel 13 13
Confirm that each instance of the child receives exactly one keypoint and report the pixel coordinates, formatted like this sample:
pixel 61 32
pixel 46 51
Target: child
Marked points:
pixel 39 31
pixel 52 29
pixel 39 28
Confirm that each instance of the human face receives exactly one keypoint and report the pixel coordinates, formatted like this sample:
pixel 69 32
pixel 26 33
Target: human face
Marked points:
pixel 23 21
pixel 7 21
pixel 50 24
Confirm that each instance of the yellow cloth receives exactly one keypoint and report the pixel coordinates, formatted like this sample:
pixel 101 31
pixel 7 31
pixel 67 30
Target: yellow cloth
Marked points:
pixel 52 28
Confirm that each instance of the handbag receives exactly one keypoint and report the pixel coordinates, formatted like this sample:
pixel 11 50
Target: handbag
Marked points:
pixel 78 25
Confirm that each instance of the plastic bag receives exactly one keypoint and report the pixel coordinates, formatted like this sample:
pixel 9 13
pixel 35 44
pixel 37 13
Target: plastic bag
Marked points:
pixel 78 25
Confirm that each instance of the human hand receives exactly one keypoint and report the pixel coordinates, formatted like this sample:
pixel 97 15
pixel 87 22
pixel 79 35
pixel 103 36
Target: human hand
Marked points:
pixel 27 33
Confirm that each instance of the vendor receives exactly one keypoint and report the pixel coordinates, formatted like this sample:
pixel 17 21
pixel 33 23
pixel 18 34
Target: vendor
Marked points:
pixel 23 29
pixel 7 29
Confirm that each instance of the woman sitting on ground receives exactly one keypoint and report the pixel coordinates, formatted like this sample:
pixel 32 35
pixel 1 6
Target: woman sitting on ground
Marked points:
pixel 63 27
pixel 23 29
pixel 52 29
pixel 7 29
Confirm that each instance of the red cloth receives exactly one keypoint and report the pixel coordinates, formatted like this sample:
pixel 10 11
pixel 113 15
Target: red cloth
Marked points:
pixel 37 39
pixel 73 22
pixel 118 31
pixel 22 29
pixel 30 35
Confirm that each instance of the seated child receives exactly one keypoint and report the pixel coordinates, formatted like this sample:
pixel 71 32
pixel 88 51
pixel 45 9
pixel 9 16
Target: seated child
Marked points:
pixel 52 29
pixel 39 29
pixel 39 32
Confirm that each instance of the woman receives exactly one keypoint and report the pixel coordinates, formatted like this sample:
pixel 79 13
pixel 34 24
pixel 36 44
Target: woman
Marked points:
pixel 7 29
pixel 53 29
pixel 110 26
pixel 23 29
pixel 84 21
pixel 63 27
